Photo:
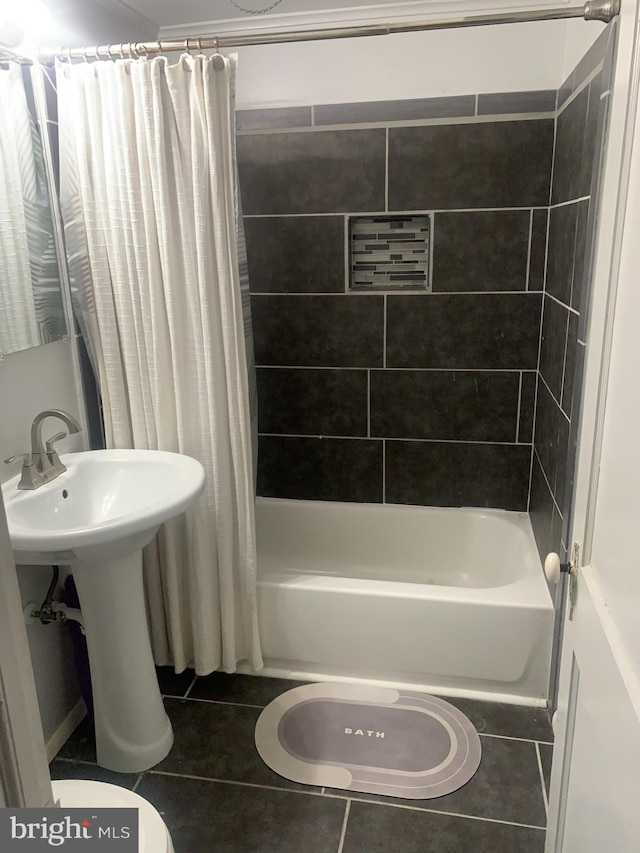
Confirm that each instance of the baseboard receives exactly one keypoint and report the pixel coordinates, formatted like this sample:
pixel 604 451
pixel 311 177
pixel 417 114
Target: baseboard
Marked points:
pixel 66 729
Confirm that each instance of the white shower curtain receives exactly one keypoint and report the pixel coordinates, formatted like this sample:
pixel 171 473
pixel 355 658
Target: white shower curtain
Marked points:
pixel 148 192
pixel 20 214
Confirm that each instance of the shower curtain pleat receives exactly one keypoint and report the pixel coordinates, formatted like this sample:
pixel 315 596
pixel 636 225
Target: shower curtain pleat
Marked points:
pixel 151 213
pixel 24 216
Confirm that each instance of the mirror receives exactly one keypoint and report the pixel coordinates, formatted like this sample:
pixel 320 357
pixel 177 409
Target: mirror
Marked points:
pixel 31 306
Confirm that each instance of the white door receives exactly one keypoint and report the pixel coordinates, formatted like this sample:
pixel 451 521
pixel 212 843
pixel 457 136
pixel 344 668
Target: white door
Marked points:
pixel 595 786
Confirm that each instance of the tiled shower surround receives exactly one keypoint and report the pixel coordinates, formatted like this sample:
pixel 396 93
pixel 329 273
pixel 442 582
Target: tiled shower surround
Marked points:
pixel 408 397
pixel 583 107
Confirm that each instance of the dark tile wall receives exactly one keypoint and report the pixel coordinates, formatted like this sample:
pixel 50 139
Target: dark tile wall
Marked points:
pixel 583 105
pixel 404 398
pixel 436 398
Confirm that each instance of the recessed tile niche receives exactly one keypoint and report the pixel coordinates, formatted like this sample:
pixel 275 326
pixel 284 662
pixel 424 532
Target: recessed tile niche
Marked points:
pixel 389 253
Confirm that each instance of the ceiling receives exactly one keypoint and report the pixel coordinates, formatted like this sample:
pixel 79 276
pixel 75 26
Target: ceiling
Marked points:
pixel 167 14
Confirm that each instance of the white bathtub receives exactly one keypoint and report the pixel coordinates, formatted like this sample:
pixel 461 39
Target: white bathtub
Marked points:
pixel 447 600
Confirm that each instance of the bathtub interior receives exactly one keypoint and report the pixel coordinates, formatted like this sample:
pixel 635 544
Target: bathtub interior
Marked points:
pixel 406 544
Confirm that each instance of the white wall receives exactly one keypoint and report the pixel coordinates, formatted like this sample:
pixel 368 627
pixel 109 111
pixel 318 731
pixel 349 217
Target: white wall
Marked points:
pixel 79 23
pixel 579 36
pixel 506 58
pixel 30 381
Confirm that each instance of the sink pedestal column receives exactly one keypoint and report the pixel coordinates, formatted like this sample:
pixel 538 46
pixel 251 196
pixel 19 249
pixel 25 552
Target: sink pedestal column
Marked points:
pixel 133 732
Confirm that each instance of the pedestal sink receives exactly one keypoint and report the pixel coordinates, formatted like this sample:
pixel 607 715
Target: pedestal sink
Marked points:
pixel 96 517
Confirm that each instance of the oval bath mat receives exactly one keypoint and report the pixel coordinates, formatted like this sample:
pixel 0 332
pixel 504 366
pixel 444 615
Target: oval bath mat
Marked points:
pixel 375 740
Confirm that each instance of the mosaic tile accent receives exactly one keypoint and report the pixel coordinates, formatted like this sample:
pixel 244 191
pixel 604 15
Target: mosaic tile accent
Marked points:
pixel 389 253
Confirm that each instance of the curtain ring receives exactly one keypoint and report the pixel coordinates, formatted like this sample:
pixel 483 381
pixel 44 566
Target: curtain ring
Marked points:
pixel 69 55
pixel 141 48
pixel 217 60
pixel 186 47
pixel 120 49
pixel 200 45
pixel 84 54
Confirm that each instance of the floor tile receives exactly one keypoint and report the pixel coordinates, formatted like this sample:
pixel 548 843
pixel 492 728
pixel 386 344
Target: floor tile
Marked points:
pixel 217 741
pixel 380 829
pixel 495 718
pixel 172 683
pixel 241 689
pixel 81 746
pixel 546 754
pixel 60 769
pixel 505 787
pixel 205 816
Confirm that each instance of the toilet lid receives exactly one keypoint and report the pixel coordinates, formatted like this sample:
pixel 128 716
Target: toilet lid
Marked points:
pixel 80 793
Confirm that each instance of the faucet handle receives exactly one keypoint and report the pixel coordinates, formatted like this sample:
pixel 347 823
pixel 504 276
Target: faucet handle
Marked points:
pixel 30 477
pixel 54 459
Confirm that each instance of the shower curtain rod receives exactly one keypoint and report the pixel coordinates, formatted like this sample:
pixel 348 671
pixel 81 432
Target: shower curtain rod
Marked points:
pixel 592 10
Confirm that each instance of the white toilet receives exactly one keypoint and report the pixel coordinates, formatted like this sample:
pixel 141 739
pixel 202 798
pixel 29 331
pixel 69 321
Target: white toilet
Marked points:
pixel 79 793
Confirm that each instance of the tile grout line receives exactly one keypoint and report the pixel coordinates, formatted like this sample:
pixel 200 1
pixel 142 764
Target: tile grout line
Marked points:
pixel 190 687
pixel 138 780
pixel 345 820
pixel 579 89
pixel 385 124
pixel 544 290
pixel 384 332
pixel 519 408
pixel 347 253
pixel 412 292
pixel 369 403
pixel 564 364
pixel 553 396
pixel 217 702
pixel 517 739
pixel 542 782
pixel 382 438
pixel 562 304
pixel 402 369
pixel 569 202
pixel 386 169
pixel 546 479
pixel 416 210
pixel 333 796
pixel 384 471
pixel 528 276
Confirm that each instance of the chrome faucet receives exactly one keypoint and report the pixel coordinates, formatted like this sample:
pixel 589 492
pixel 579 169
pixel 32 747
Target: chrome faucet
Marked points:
pixel 43 463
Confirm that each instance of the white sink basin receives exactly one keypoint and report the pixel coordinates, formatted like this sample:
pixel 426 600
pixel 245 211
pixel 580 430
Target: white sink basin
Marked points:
pixel 107 504
pixel 96 517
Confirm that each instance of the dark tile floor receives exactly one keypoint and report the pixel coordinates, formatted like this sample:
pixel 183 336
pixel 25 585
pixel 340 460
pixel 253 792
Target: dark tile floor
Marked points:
pixel 215 793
